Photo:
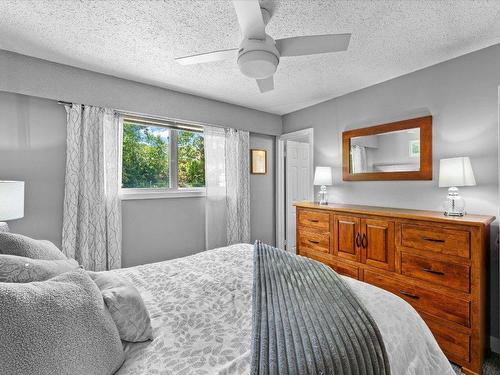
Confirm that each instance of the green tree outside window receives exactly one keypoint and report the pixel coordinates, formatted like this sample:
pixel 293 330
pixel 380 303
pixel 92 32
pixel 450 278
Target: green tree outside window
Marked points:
pixel 146 157
pixel 190 159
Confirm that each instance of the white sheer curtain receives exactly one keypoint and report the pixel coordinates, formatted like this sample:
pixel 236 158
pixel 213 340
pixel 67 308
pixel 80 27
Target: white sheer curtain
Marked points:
pixel 227 212
pixel 358 159
pixel 92 211
pixel 215 182
pixel 237 186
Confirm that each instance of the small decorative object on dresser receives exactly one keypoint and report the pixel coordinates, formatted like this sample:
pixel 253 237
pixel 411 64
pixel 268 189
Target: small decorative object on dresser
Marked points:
pixel 323 178
pixel 258 161
pixel 434 262
pixel 11 202
pixel 455 172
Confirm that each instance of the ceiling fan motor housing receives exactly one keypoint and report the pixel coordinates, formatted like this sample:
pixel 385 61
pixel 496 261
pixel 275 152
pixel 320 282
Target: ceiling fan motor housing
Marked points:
pixel 258 58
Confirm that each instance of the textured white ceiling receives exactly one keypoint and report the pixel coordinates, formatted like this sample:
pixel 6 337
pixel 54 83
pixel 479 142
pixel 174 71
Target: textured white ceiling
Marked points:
pixel 138 40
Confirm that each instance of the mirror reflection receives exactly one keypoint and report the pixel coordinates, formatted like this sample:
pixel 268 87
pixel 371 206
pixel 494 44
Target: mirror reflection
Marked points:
pixel 396 151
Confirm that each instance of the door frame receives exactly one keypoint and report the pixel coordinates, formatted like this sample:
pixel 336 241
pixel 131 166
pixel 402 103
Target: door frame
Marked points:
pixel 494 239
pixel 304 134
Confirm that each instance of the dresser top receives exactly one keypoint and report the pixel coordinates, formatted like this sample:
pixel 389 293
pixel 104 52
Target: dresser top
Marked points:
pixel 400 213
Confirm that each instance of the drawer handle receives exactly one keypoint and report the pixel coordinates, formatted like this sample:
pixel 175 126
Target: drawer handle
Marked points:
pixel 358 240
pixel 432 239
pixel 364 241
pixel 405 293
pixel 314 241
pixel 433 272
pixel 314 220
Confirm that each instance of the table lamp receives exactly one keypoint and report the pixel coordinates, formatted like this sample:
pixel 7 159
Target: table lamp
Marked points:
pixel 323 178
pixel 11 202
pixel 455 172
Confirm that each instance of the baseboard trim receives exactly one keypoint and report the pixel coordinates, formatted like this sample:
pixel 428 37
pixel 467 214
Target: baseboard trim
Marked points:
pixel 495 344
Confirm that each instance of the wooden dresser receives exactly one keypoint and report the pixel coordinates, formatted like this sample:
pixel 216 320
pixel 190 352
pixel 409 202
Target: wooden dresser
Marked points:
pixel 435 263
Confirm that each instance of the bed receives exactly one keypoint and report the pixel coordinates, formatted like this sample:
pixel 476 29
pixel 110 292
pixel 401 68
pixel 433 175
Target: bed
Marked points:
pixel 201 310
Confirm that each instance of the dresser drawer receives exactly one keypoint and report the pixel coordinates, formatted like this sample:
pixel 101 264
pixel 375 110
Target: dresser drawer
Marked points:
pixel 456 345
pixel 346 269
pixel 423 300
pixel 451 275
pixel 314 219
pixel 446 241
pixel 313 241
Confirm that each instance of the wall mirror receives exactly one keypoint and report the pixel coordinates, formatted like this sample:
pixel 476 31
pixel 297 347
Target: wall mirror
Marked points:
pixel 397 151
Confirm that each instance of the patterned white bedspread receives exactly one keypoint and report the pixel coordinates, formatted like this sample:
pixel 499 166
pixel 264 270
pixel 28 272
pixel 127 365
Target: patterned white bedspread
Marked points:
pixel 201 309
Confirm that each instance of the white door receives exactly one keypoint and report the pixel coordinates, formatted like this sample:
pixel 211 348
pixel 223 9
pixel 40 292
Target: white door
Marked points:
pixel 298 186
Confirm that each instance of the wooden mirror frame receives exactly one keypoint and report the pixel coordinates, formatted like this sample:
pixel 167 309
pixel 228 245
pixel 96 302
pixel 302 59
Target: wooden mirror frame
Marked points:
pixel 425 172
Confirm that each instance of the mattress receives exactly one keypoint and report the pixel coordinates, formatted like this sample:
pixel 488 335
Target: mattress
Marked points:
pixel 201 310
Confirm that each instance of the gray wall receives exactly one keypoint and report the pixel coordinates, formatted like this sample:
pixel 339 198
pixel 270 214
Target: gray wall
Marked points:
pixel 33 149
pixel 262 193
pixel 40 78
pixel 461 95
pixel 159 229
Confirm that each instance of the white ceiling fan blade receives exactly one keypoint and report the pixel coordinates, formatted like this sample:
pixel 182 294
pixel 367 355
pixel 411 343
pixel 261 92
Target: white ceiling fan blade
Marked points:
pixel 202 58
pixel 250 19
pixel 266 84
pixel 310 45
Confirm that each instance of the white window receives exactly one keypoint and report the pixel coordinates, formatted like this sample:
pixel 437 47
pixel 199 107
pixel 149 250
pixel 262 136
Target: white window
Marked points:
pixel 161 159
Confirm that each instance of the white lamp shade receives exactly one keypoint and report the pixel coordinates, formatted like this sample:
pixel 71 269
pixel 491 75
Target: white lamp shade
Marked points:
pixel 456 172
pixel 323 176
pixel 11 200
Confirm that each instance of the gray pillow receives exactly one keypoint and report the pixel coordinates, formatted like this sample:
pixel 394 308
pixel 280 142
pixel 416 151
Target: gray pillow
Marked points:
pixel 15 269
pixel 125 305
pixel 17 244
pixel 59 326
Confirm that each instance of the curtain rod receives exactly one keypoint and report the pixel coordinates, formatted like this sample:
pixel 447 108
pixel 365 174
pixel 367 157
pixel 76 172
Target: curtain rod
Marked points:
pixel 188 125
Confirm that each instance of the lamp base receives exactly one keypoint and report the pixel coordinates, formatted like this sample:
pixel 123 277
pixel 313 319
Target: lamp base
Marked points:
pixel 323 195
pixel 454 204
pixel 4 227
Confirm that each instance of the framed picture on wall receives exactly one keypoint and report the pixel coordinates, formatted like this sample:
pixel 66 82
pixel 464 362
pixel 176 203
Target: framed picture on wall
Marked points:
pixel 258 161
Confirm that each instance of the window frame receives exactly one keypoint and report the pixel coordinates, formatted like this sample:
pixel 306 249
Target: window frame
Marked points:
pixel 174 191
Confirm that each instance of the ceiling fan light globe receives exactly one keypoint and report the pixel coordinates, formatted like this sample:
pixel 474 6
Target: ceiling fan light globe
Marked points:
pixel 258 64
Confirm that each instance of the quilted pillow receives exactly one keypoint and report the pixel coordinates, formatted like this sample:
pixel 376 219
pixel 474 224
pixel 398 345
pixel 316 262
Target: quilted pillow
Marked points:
pixel 58 326
pixel 17 244
pixel 15 269
pixel 125 305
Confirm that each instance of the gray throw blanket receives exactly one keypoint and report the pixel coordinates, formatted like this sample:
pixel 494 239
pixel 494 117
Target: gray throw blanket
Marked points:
pixel 306 320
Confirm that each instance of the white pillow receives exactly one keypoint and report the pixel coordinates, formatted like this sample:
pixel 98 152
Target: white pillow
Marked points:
pixel 125 305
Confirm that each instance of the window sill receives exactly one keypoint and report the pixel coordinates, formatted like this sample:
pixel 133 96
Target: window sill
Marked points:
pixel 133 194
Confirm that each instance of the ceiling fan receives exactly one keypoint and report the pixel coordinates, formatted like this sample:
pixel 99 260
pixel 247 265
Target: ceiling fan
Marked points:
pixel 258 55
